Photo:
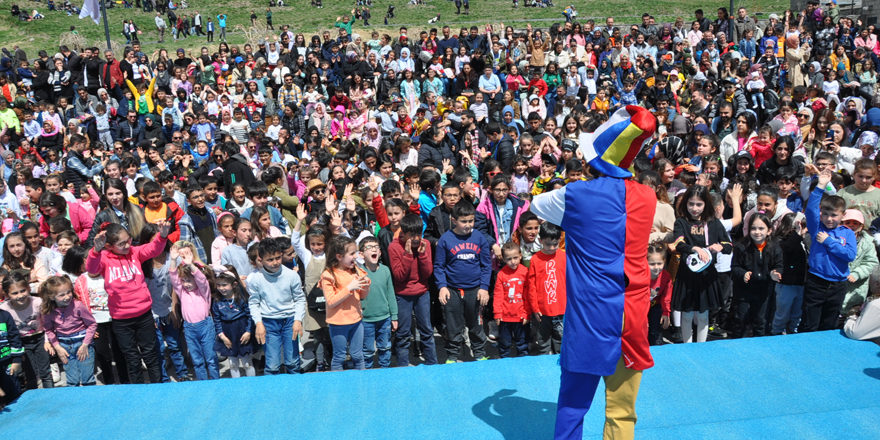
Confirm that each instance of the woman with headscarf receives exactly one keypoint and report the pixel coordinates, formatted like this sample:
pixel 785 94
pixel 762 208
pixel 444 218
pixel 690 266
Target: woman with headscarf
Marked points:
pixel 320 119
pixel 795 54
pixel 867 142
pixel 816 77
pixel 405 62
pixel 373 137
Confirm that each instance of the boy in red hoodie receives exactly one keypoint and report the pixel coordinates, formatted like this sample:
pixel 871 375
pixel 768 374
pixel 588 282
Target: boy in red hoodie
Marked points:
pixel 511 310
pixel 546 289
pixel 411 268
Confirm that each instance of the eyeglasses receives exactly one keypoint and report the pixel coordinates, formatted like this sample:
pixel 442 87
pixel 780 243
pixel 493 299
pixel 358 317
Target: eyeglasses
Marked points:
pixel 822 165
pixel 371 247
pixel 501 190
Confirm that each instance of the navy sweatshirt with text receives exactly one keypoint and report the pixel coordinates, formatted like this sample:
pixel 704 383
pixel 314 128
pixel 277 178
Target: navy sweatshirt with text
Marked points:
pixel 463 261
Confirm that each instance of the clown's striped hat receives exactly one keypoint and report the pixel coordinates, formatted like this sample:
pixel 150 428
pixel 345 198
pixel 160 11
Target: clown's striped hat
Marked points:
pixel 612 148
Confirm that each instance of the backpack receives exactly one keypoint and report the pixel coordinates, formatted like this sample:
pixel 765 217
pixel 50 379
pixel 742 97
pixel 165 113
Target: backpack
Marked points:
pixel 316 301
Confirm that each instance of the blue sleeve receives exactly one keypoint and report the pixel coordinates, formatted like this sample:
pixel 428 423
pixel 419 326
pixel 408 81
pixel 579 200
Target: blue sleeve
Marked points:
pixel 845 252
pixel 812 211
pixel 215 313
pixel 485 264
pixel 440 263
pixel 246 308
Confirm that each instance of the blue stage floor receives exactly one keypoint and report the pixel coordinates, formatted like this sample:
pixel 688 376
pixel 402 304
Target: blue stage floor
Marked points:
pixel 814 386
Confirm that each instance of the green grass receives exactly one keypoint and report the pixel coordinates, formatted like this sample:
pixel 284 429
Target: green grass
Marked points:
pixel 45 34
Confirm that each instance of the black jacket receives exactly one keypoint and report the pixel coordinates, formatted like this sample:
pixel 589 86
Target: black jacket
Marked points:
pixel 747 258
pixel 235 170
pixel 436 153
pixel 794 260
pixel 504 153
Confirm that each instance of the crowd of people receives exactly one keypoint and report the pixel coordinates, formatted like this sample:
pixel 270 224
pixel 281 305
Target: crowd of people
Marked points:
pixel 333 202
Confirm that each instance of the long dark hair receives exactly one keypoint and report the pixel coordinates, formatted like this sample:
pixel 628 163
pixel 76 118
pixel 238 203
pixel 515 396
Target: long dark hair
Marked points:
pixel 702 193
pixel 747 238
pixel 27 258
pixel 229 275
pixel 133 214
pixel 74 259
pixel 787 226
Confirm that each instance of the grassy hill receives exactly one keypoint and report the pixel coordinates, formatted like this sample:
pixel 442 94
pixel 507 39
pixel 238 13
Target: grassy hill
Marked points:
pixel 46 33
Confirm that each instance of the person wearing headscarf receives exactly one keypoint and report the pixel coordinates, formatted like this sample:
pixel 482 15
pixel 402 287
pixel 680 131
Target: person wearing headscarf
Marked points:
pixel 405 62
pixel 795 54
pixel 867 142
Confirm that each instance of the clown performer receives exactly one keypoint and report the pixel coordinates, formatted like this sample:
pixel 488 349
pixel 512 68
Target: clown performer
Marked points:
pixel 607 276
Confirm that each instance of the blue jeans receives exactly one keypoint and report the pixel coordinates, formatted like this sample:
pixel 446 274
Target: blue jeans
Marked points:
pixel 200 338
pixel 78 372
pixel 789 300
pixel 513 334
pixel 168 335
pixel 347 338
pixel 280 341
pixel 420 305
pixel 377 337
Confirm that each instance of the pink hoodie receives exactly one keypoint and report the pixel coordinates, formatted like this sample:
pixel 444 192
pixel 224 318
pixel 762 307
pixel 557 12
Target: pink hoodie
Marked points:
pixel 127 293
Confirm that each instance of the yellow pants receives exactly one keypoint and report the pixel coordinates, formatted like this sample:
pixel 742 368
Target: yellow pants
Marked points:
pixel 576 392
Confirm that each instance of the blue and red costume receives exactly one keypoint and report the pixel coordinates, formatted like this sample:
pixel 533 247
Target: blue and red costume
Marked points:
pixel 607 223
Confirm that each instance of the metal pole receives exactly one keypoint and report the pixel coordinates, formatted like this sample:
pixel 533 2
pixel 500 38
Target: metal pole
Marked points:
pixel 106 26
pixel 731 23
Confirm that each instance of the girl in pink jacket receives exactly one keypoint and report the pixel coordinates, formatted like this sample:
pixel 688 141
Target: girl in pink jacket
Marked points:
pixel 128 297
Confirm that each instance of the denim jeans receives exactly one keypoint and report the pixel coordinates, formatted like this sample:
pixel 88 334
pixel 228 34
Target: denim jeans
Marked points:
pixel 347 338
pixel 789 300
pixel 78 372
pixel 377 337
pixel 168 335
pixel 420 306
pixel 280 342
pixel 514 334
pixel 200 338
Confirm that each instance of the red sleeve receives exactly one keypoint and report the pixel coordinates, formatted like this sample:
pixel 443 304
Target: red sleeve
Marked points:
pixel 177 213
pixel 146 251
pixel 83 222
pixel 666 302
pixel 379 211
pixel 44 227
pixel 413 208
pixel 499 294
pixel 530 288
pixel 401 261
pixel 426 266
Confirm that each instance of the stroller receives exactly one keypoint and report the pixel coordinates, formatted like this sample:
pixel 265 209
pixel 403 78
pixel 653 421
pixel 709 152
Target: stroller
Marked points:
pixel 390 13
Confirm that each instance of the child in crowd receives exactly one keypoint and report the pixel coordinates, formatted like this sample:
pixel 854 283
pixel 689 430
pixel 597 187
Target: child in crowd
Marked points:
pixel 277 305
pixel 511 307
pixel 70 328
pixel 463 268
pixel 860 269
pixel 379 308
pixel 546 290
pixel 345 285
pixel 191 286
pixel 232 321
pixel 757 267
pixel 833 247
pixel 236 253
pixel 661 293
pixel 790 288
pixel 25 311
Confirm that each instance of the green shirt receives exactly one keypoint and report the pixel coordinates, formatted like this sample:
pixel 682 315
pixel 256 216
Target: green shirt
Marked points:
pixel 381 302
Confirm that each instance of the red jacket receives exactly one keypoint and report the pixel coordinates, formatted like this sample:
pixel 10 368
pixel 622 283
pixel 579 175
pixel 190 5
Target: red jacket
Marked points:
pixel 510 288
pixel 127 293
pixel 173 214
pixel 382 215
pixel 661 290
pixel 80 219
pixel 546 283
pixel 410 272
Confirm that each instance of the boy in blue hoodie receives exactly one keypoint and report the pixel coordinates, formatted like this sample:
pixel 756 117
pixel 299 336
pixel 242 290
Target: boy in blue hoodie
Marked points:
pixel 834 247
pixel 278 305
pixel 463 269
